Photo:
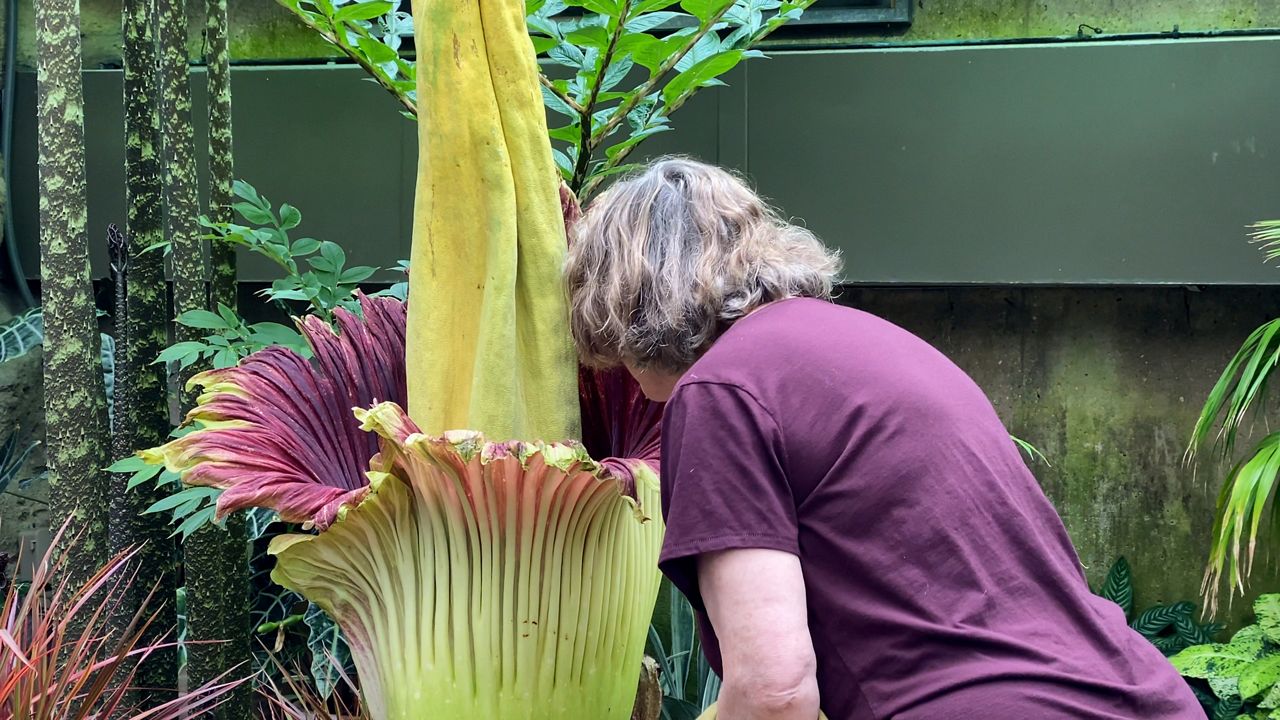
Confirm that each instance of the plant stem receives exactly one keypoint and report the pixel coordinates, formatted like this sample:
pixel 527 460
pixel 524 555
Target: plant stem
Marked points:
pixel 585 150
pixel 75 404
pixel 142 398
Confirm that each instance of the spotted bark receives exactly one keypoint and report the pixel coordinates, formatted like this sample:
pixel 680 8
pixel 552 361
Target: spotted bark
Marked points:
pixel 217 559
pixel 141 318
pixel 75 399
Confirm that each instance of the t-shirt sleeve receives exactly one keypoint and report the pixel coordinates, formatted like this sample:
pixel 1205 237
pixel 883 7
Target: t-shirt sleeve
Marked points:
pixel 724 481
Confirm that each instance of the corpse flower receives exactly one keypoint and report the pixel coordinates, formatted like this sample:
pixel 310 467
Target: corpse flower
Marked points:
pixel 478 561
pixel 470 578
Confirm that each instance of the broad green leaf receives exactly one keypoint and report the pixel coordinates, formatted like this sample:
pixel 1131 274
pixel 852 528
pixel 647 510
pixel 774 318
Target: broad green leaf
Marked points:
pixel 646 50
pixel 253 214
pixel 1212 661
pixel 607 8
pixel 1118 587
pixel 290 216
pixel 304 246
pixel 634 139
pixel 131 464
pixel 542 44
pixel 568 133
pixel 649 21
pixel 203 319
pixel 592 36
pixel 1267 609
pixel 367 10
pixel 377 52
pixel 700 74
pixel 553 102
pixel 245 191
pixel 567 54
pixel 184 353
pixel 645 6
pixel 704 10
pixel 614 74
pixel 334 253
pixel 356 274
pixel 1259 677
pixel 707 46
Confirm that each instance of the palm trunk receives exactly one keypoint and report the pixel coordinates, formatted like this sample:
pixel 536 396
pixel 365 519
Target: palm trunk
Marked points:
pixel 75 407
pixel 223 586
pixel 142 309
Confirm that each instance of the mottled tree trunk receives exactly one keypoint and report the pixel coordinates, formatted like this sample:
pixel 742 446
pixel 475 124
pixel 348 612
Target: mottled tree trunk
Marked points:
pixel 201 552
pixel 223 586
pixel 142 315
pixel 75 399
pixel 221 173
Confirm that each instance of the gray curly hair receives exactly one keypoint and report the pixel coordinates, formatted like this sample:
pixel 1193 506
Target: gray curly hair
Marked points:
pixel 667 259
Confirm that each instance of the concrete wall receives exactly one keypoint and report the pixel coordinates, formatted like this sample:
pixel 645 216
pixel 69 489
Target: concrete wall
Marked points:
pixel 1107 383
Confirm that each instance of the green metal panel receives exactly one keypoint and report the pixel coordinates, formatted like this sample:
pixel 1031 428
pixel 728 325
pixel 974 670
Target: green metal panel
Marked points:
pixel 1070 163
pixel 1105 162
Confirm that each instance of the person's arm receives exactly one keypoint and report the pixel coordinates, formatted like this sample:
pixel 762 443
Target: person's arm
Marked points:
pixel 755 600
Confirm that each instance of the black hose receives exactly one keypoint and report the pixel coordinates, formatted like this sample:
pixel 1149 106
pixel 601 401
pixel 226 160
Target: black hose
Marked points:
pixel 6 148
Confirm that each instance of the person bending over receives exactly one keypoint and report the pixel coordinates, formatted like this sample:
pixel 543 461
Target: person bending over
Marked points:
pixel 845 512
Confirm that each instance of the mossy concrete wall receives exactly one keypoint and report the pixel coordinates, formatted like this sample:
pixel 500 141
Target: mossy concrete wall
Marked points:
pixel 261 30
pixel 1108 384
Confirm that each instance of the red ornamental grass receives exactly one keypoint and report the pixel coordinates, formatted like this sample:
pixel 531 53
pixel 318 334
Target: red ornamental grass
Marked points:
pixel 50 671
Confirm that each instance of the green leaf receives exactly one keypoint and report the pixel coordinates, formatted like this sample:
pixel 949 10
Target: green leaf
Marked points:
pixel 304 246
pixel 246 191
pixel 180 498
pixel 141 476
pixel 567 54
pixel 357 274
pixel 195 521
pixel 329 651
pixel 254 214
pixel 270 333
pixel 1267 609
pixel 645 6
pixel 704 10
pixel 1259 677
pixel 367 10
pixel 645 50
pixel 1119 586
pixel 290 216
pixel 649 21
pixel 700 74
pixel 542 45
pixel 592 36
pixel 333 253
pixel 131 464
pixel 1158 618
pixel 203 319
pixel 378 52
pixel 1217 660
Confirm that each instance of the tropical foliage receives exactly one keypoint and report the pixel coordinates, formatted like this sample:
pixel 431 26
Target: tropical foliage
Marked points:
pixel 1247 490
pixel 1243 673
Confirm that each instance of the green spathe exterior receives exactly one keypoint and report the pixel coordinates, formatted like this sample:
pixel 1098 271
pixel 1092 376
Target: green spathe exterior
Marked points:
pixel 486 580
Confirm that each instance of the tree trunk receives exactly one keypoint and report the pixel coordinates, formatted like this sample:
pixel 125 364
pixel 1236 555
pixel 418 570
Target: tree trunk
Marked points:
pixel 142 314
pixel 221 173
pixel 224 586
pixel 202 552
pixel 75 406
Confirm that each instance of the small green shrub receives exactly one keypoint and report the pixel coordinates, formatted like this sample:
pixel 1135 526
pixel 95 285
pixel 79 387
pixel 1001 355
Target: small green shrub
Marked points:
pixel 1241 674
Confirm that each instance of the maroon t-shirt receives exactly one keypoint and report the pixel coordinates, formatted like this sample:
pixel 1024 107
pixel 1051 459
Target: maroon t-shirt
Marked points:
pixel 941 582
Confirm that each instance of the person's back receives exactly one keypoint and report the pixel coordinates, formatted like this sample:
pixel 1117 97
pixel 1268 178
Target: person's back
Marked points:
pixel 940 581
